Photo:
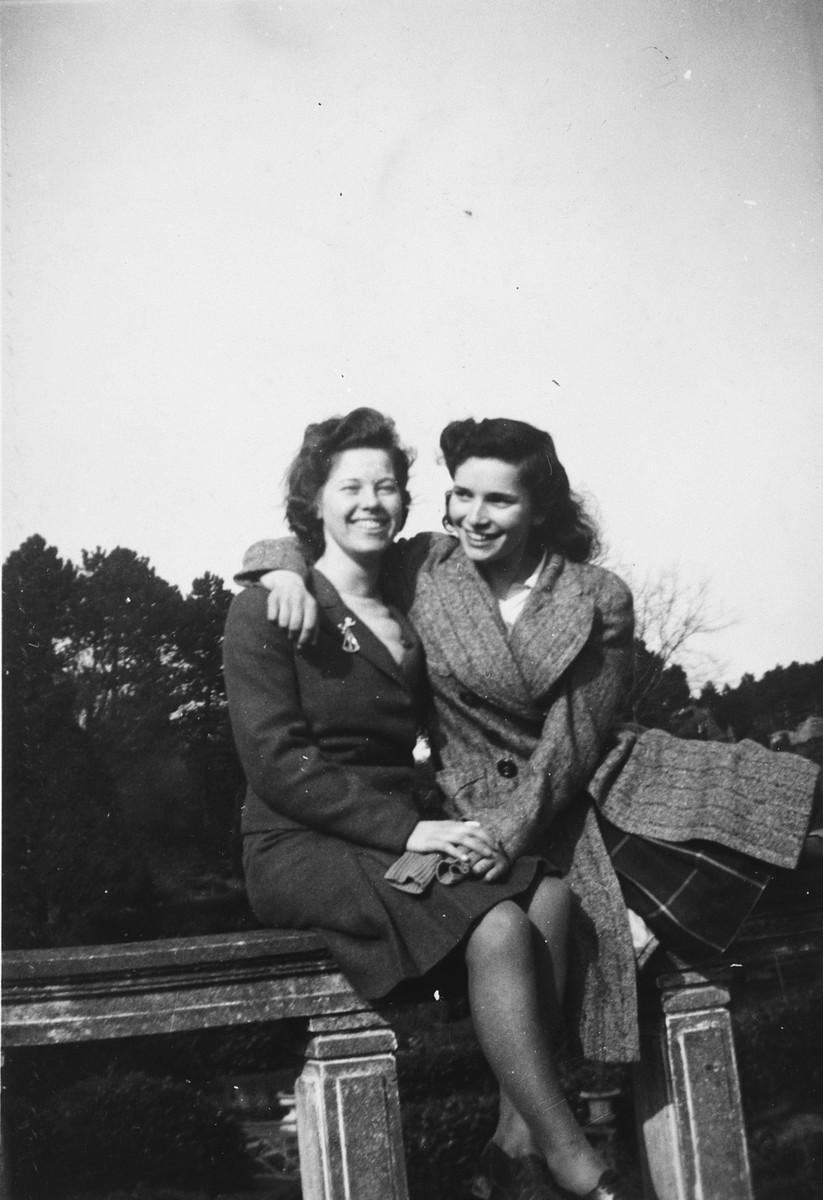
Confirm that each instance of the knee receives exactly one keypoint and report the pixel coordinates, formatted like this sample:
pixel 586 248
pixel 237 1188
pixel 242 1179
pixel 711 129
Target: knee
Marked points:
pixel 551 906
pixel 500 931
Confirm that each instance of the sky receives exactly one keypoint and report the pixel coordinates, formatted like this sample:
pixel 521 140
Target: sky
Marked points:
pixel 225 219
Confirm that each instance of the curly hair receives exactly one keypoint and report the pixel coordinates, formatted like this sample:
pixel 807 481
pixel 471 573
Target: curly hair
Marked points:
pixel 363 428
pixel 567 528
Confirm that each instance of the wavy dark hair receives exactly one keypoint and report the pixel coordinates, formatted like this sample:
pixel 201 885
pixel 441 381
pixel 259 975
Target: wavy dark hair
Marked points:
pixel 363 428
pixel 567 528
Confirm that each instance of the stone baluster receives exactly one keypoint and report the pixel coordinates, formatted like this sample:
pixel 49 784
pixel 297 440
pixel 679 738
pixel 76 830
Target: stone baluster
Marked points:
pixel 687 1094
pixel 348 1112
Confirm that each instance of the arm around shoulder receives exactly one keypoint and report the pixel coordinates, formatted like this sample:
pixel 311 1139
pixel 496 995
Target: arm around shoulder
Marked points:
pixel 407 556
pixel 272 554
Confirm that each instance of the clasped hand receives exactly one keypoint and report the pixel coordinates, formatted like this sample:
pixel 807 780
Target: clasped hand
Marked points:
pixel 467 841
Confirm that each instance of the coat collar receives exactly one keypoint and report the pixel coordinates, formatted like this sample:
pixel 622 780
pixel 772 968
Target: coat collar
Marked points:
pixel 336 612
pixel 464 633
pixel 513 671
pixel 555 623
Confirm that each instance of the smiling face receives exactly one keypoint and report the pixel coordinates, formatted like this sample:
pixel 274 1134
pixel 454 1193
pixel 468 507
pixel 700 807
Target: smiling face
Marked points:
pixel 361 503
pixel 493 514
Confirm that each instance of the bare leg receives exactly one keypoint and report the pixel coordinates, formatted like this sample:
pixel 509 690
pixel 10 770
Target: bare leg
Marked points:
pixel 511 1017
pixel 549 913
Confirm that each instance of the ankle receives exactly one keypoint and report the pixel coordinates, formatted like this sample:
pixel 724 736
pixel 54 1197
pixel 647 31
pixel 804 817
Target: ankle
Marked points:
pixel 576 1168
pixel 517 1145
pixel 512 1135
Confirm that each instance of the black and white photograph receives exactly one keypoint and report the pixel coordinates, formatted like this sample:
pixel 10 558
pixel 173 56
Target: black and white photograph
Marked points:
pixel 412 599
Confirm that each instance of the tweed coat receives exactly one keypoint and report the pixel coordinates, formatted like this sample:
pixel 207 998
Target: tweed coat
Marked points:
pixel 326 740
pixel 527 742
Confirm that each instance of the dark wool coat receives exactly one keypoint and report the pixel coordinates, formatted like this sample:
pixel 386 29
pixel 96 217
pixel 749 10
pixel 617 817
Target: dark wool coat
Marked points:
pixel 326 740
pixel 528 744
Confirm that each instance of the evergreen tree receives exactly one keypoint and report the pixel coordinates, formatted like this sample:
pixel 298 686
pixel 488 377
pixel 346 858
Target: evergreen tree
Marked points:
pixel 37 588
pixel 202 718
pixel 122 651
pixel 782 699
pixel 68 866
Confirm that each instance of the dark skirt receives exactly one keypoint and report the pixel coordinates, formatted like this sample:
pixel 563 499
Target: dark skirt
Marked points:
pixel 693 895
pixel 380 937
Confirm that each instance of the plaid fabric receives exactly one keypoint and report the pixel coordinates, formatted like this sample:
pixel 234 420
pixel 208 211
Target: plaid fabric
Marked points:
pixel 694 895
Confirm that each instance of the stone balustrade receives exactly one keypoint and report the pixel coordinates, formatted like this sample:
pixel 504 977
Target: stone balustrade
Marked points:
pixel 687 1092
pixel 348 1111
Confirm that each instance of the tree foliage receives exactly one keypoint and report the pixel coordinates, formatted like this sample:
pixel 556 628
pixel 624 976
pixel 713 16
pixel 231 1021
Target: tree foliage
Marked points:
pixel 66 854
pixel 781 699
pixel 121 647
pixel 201 716
pixel 672 621
pixel 37 586
pixel 118 760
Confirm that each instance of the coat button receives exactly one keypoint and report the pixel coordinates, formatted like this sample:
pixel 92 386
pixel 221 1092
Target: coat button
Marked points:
pixel 469 699
pixel 507 768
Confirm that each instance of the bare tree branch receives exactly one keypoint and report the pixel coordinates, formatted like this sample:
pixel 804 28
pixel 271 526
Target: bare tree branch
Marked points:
pixel 671 616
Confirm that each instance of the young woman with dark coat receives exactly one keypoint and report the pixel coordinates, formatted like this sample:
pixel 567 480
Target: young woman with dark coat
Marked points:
pixel 334 833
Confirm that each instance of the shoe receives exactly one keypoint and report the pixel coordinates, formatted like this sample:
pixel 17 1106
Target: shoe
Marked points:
pixel 608 1187
pixel 499 1177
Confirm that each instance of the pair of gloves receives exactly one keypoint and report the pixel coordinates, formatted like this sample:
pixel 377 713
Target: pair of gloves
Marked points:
pixel 414 871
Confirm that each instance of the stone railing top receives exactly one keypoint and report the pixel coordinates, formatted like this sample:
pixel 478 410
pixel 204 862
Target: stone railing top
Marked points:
pixel 224 949
pixel 85 992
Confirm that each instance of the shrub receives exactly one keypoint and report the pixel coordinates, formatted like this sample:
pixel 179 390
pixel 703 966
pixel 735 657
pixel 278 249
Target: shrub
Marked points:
pixel 118 1131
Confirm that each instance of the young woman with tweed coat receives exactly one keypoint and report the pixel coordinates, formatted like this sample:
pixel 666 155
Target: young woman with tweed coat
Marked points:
pixel 528 648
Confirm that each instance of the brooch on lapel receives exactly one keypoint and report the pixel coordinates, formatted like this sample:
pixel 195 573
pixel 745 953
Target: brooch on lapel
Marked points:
pixel 350 642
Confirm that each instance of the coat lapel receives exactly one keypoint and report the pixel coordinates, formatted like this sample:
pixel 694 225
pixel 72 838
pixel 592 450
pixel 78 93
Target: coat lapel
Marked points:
pixel 369 645
pixel 554 625
pixel 464 629
pixel 516 671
